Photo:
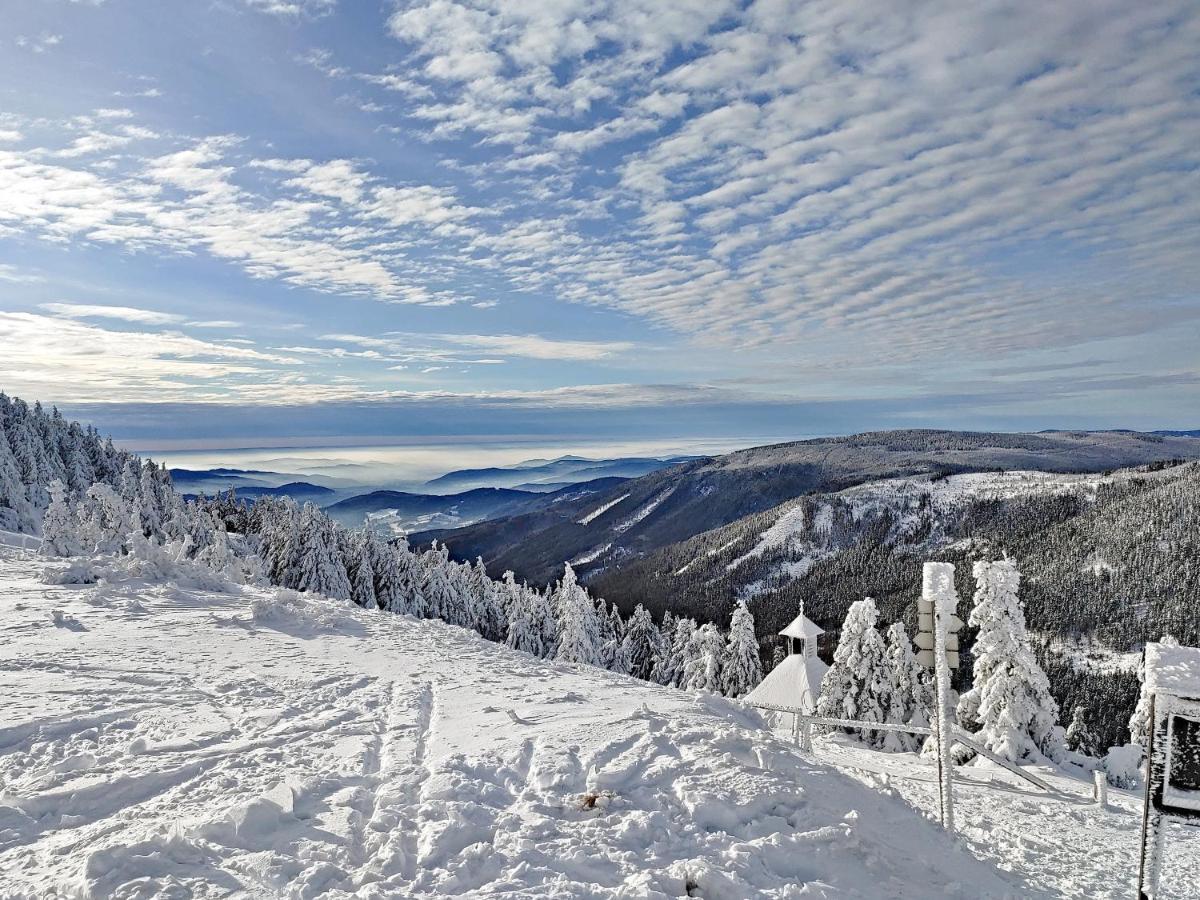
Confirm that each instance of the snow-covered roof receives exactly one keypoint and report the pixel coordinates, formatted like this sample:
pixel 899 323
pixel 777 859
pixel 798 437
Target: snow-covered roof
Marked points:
pixel 1173 670
pixel 796 681
pixel 801 627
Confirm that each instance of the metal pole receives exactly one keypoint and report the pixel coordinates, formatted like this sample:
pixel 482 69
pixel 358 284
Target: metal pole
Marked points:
pixel 938 587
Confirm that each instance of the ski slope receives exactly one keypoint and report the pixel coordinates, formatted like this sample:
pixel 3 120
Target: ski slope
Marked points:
pixel 164 741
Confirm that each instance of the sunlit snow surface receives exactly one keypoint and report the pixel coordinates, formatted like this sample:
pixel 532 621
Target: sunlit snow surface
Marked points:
pixel 157 741
pixel 1063 845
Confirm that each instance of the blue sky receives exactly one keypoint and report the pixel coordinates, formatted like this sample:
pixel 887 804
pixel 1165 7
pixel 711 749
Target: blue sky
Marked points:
pixel 258 220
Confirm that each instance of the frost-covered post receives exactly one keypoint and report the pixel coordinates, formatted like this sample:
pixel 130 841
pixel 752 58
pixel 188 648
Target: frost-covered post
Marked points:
pixel 937 587
pixel 1100 788
pixel 1153 820
pixel 1173 752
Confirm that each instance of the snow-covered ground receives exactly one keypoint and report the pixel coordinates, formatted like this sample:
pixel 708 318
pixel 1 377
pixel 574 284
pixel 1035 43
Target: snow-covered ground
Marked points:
pixel 1061 845
pixel 162 741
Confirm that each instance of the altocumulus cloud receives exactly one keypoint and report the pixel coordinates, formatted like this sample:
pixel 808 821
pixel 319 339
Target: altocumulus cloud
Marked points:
pixel 882 183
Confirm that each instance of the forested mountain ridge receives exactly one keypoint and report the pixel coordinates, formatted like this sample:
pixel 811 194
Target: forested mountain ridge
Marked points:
pixel 1080 540
pixel 672 505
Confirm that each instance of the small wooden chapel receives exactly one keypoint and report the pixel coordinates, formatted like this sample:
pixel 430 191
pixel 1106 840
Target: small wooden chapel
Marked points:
pixel 796 681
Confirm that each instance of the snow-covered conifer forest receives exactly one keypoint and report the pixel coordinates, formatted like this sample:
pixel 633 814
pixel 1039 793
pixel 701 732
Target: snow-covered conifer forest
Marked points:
pixel 215 697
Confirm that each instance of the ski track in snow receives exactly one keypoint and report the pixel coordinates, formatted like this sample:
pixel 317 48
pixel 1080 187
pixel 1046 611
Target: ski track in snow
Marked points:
pixel 267 744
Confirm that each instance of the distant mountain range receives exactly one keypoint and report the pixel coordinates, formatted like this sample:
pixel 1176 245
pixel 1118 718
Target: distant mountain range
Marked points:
pixel 399 512
pixel 250 483
pixel 458 498
pixel 645 514
pixel 541 474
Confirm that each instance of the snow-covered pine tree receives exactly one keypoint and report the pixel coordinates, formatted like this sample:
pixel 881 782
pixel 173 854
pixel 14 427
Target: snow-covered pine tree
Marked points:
pixel 857 685
pixel 411 580
pixel 618 658
pixel 490 619
pixel 16 512
pixel 545 617
pixel 524 633
pixel 150 500
pixel 460 608
pixel 1010 702
pixel 129 484
pixel 665 670
pixel 742 668
pixel 441 599
pixel 615 623
pixel 389 585
pixel 106 521
pixel 675 658
pixel 60 527
pixel 911 696
pixel 510 594
pixel 217 553
pixel 579 626
pixel 288 539
pixel 702 671
pixel 778 654
pixel 1080 738
pixel 641 643
pixel 362 570
pixel 321 569
pixel 608 634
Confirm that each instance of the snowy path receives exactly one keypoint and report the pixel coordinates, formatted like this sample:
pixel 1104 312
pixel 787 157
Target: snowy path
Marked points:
pixel 1063 843
pixel 157 741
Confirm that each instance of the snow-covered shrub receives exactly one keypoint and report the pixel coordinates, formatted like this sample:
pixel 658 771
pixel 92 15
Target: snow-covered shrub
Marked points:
pixel 1122 766
pixel 285 606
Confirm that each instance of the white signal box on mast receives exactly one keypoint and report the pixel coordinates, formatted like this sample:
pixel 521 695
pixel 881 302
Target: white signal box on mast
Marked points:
pixel 925 638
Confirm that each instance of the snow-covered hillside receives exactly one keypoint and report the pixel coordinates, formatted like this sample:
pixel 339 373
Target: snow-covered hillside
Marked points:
pixel 164 741
pixel 915 504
